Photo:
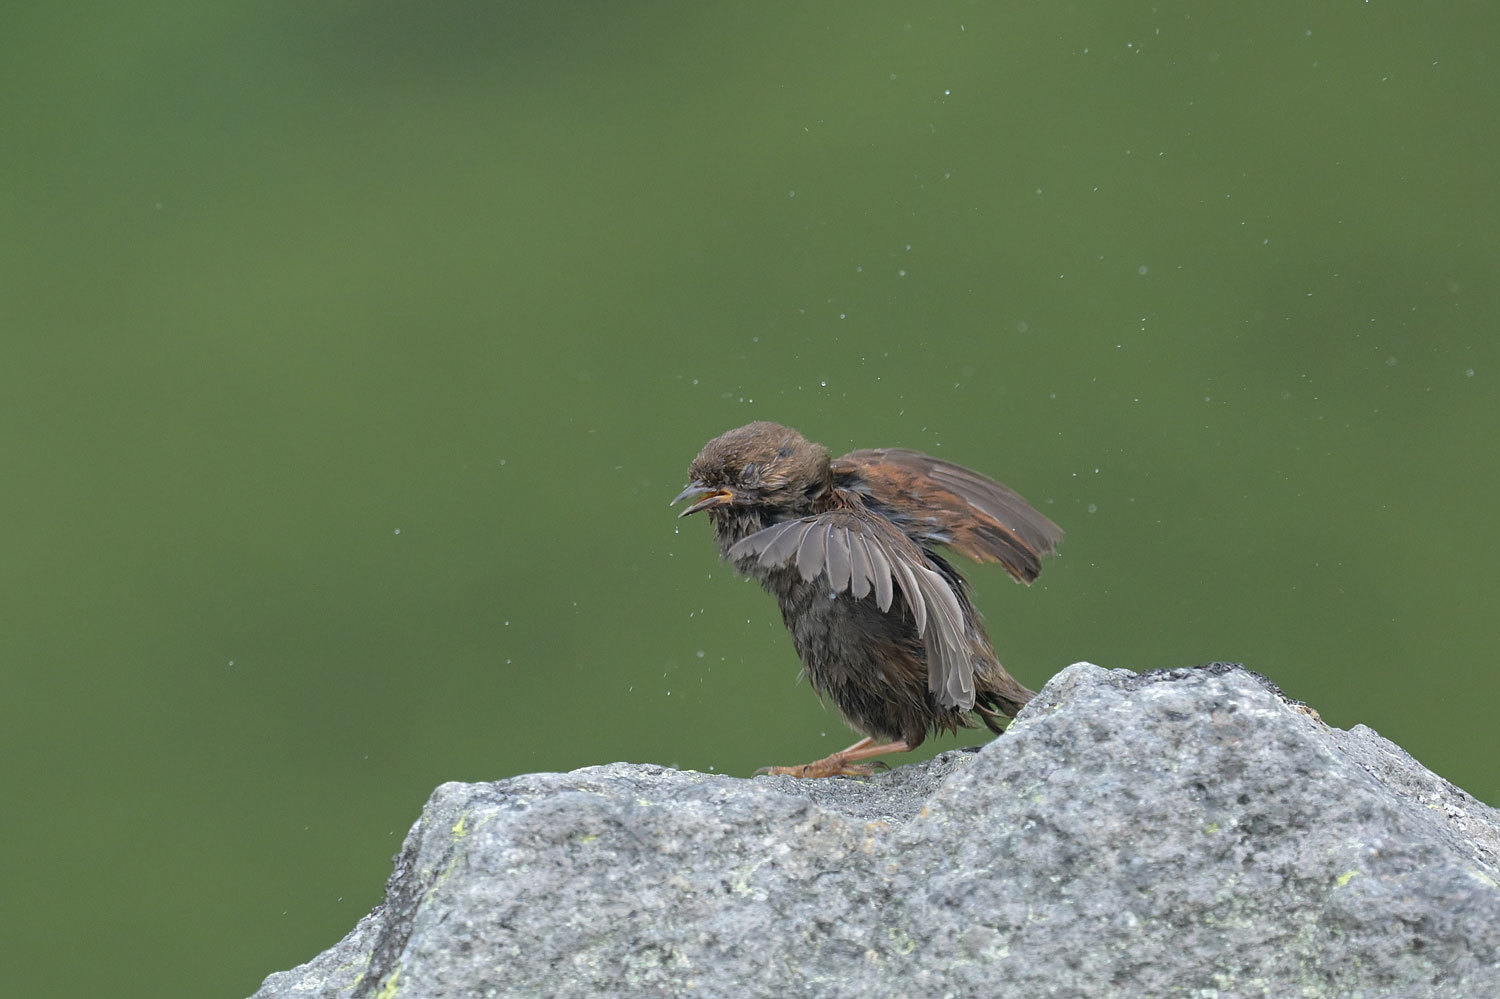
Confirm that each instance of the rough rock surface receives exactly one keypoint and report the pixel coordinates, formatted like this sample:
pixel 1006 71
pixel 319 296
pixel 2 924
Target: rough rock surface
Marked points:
pixel 1179 833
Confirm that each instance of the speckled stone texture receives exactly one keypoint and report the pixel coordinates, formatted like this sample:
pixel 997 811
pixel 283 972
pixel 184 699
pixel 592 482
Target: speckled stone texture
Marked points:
pixel 1186 833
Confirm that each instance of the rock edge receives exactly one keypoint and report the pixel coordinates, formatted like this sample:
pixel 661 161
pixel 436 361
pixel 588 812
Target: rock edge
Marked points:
pixel 1185 832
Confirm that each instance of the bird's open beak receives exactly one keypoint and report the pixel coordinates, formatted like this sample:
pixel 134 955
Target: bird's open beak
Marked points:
pixel 704 497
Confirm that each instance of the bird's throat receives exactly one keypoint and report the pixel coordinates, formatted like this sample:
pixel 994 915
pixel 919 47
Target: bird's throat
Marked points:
pixel 733 524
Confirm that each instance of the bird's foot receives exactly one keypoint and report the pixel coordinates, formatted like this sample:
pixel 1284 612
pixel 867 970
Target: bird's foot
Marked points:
pixel 844 763
pixel 828 766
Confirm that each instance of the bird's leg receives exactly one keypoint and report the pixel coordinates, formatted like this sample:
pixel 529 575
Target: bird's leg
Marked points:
pixel 844 763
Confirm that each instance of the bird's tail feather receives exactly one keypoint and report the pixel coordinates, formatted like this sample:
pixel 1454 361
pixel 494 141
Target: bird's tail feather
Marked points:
pixel 998 700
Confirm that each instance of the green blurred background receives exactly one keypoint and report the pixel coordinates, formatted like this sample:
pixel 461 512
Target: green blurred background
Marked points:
pixel 351 354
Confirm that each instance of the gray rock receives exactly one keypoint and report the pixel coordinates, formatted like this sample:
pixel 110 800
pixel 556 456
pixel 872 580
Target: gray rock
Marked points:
pixel 1179 833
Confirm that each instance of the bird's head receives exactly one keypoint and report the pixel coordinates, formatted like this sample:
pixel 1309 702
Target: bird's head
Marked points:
pixel 755 467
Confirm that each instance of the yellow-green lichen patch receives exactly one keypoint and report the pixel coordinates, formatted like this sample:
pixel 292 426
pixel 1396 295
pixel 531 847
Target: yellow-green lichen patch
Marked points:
pixel 739 878
pixel 1483 878
pixel 388 988
pixel 461 828
pixel 901 941
pixel 1345 878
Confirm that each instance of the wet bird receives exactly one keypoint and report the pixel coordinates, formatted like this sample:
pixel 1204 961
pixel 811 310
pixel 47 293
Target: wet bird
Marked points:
pixel 883 623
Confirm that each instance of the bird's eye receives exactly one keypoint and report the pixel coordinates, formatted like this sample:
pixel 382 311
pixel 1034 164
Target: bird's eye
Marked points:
pixel 750 474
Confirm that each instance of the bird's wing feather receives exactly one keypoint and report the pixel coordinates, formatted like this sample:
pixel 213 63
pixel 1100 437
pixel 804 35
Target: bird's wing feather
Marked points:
pixel 839 556
pixel 861 556
pixel 860 569
pixel 950 671
pixel 812 553
pixel 777 543
pixel 937 502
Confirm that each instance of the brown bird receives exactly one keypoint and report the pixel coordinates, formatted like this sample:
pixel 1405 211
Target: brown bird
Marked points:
pixel 883 624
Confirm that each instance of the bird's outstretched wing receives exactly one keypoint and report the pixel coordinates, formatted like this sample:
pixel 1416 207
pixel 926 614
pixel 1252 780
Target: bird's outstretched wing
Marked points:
pixel 938 502
pixel 863 557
